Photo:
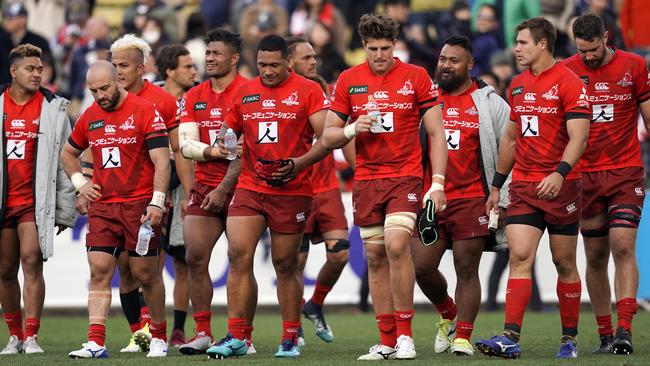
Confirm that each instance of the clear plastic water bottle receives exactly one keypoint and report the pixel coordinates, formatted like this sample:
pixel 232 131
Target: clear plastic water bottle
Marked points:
pixel 372 109
pixel 230 140
pixel 144 236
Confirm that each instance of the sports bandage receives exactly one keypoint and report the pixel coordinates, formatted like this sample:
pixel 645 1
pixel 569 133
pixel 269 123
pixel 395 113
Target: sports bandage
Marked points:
pixel 372 234
pixel 439 176
pixel 434 188
pixel 99 302
pixel 188 139
pixel 78 180
pixel 158 199
pixel 349 131
pixel 404 221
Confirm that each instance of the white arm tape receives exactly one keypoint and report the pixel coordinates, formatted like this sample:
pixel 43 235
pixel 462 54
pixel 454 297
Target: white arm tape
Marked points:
pixel 436 187
pixel 439 176
pixel 349 131
pixel 189 141
pixel 78 180
pixel 158 199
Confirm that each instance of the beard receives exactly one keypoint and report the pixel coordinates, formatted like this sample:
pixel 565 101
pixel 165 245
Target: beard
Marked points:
pixel 450 83
pixel 115 98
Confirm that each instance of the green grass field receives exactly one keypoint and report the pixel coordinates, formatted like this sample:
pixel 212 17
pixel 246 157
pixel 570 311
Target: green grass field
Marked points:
pixel 354 333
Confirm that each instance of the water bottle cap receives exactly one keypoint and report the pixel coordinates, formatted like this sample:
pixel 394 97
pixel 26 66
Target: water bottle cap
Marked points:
pixel 229 130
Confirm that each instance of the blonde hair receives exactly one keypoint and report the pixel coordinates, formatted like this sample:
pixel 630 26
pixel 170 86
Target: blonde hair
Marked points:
pixel 131 42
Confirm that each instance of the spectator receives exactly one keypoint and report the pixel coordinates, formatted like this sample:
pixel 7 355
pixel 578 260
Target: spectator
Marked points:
pixel 14 32
pixel 50 24
pixel 558 12
pixel 487 39
pixel 137 14
pixel 257 21
pixel 602 9
pixel 215 12
pixel 330 61
pixel 311 11
pixel 154 34
pixel 454 23
pixel 634 17
pixel 501 65
pixel 194 42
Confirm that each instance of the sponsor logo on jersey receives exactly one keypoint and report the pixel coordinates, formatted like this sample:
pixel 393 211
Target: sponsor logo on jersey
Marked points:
pixel 530 97
pixel 453 139
pixel 386 125
pixel 626 81
pixel 407 88
pixel 358 89
pixel 199 106
pixel 585 79
pixel 601 87
pixel 518 90
pixel 412 197
pixel 18 123
pixel 37 121
pixel 380 94
pixel 129 124
pixel 214 137
pixel 183 104
pixel 300 217
pixel 483 220
pixel 452 112
pixel 571 208
pixel 639 191
pixel 529 126
pixel 267 133
pixel 215 112
pixel 111 157
pixel 602 113
pixel 551 94
pixel 16 149
pixel 291 99
pixel 268 104
pixel 250 98
pixel 472 111
pixel 110 129
pixel 95 125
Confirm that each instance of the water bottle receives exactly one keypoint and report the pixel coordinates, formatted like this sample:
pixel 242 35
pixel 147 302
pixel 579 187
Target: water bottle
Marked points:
pixel 372 109
pixel 230 140
pixel 144 236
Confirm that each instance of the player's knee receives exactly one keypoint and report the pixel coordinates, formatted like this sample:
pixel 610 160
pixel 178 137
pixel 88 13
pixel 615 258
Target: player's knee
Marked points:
pixel 196 259
pixel 285 266
pixel 239 258
pixel 520 259
pixel 372 235
pixel 624 216
pixel 100 274
pixel 376 256
pixel 565 265
pixel 338 258
pixel 623 251
pixel 32 263
pixel 8 274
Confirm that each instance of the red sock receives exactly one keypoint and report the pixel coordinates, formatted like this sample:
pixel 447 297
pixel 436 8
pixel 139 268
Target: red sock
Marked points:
pixel 518 295
pixel 248 332
pixel 447 309
pixel 202 320
pixel 31 327
pixel 568 295
pixel 97 333
pixel 626 308
pixel 604 325
pixel 236 327
pixel 134 327
pixel 15 324
pixel 464 330
pixel 387 329
pixel 145 316
pixel 158 330
pixel 403 323
pixel 320 292
pixel 290 331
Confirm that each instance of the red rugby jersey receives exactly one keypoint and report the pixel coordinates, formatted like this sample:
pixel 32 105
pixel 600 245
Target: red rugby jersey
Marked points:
pixel 541 106
pixel 208 109
pixel 163 102
pixel 401 94
pixel 275 125
pixel 460 118
pixel 614 91
pixel 120 141
pixel 20 131
pixel 323 175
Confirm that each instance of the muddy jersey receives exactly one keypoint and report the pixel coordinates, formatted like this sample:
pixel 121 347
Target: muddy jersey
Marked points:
pixel 540 108
pixel 20 126
pixel 120 141
pixel 207 108
pixel 275 124
pixel 615 91
pixel 403 94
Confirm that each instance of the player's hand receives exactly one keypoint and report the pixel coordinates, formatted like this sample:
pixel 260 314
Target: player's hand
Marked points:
pixel 550 186
pixel 90 191
pixel 82 205
pixel 60 228
pixel 215 201
pixel 440 200
pixel 240 148
pixel 363 123
pixel 289 171
pixel 493 200
pixel 154 215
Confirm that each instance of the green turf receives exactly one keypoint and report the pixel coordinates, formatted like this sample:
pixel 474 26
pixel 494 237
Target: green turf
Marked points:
pixel 354 334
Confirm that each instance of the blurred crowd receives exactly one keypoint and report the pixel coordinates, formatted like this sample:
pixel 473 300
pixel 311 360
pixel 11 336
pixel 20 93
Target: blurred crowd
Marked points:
pixel 74 33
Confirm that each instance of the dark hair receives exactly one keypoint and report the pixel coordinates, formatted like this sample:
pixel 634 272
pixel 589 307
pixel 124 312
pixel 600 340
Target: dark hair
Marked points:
pixel 274 43
pixel 588 26
pixel 373 26
pixel 23 51
pixel 167 58
pixel 397 2
pixel 491 7
pixel 227 37
pixel 540 28
pixel 293 42
pixel 460 41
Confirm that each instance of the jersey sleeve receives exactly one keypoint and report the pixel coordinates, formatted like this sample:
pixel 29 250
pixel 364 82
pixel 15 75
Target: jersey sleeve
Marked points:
pixel 340 103
pixel 574 98
pixel 513 116
pixel 79 136
pixel 317 100
pixel 426 93
pixel 172 113
pixel 233 118
pixel 187 112
pixel 642 82
pixel 154 130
